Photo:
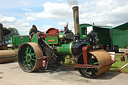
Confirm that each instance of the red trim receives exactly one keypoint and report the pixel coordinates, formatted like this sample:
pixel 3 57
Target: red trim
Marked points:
pixel 84 51
pixel 86 66
pixel 38 34
pixel 41 34
pixel 51 40
pixel 88 48
pixel 90 66
pixel 52 31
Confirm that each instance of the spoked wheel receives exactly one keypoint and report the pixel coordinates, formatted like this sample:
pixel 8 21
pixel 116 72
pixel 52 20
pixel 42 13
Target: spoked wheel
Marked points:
pixel 101 58
pixel 30 57
pixel 88 72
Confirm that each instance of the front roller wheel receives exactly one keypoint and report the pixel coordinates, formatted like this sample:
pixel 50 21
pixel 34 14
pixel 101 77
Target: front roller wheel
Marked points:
pixel 30 57
pixel 98 57
pixel 88 72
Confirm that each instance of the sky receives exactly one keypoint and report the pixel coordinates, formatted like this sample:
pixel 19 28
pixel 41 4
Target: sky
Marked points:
pixel 22 14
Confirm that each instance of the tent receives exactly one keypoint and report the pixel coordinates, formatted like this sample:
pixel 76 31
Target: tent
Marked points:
pixel 120 35
pixel 103 34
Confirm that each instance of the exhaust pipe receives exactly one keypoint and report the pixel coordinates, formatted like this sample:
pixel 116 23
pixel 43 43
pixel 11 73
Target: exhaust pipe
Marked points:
pixel 1 32
pixel 76 22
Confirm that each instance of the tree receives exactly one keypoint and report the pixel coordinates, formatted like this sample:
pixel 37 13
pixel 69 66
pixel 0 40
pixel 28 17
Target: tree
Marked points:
pixel 5 28
pixel 13 31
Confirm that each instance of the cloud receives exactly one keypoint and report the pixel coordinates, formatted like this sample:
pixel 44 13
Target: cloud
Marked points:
pixel 5 19
pixel 72 2
pixel 61 24
pixel 104 12
pixel 21 25
pixel 44 28
pixel 22 2
pixel 54 11
pixel 70 25
pixel 27 9
pixel 100 12
pixel 57 11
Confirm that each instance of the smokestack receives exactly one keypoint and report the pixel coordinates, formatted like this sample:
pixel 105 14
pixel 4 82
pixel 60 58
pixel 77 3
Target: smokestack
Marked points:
pixel 76 19
pixel 76 22
pixel 1 32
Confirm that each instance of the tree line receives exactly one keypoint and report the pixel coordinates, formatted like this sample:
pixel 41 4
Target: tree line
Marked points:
pixel 13 31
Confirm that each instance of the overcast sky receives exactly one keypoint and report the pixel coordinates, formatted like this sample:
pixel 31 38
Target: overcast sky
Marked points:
pixel 22 14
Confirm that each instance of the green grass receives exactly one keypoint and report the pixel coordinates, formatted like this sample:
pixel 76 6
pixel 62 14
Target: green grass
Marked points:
pixel 118 64
pixel 67 59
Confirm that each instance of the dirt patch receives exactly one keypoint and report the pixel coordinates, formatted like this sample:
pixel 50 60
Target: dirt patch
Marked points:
pixel 1 72
pixel 14 67
pixel 1 77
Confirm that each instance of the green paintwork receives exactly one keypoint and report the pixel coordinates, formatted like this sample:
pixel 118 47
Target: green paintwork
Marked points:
pixel 35 38
pixel 17 40
pixel 51 40
pixel 83 36
pixel 29 58
pixel 103 35
pixel 65 49
pixel 61 35
pixel 102 31
pixel 83 30
pixel 120 35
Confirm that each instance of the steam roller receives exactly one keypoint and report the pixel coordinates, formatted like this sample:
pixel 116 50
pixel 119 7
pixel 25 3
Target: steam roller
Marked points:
pixel 50 48
pixel 5 54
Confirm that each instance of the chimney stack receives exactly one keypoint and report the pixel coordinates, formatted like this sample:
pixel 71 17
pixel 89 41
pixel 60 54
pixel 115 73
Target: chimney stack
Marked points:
pixel 76 22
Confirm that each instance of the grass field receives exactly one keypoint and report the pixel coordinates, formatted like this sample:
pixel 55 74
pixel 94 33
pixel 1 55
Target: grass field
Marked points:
pixel 118 64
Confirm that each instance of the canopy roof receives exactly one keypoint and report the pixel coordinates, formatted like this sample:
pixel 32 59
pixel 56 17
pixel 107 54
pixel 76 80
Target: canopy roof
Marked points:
pixel 122 26
pixel 105 27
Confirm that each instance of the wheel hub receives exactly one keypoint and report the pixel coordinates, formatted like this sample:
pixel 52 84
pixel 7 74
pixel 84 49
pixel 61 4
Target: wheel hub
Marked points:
pixel 29 57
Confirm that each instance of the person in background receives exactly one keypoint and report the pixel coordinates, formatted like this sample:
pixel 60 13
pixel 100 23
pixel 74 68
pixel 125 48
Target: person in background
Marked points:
pixel 92 38
pixel 33 30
